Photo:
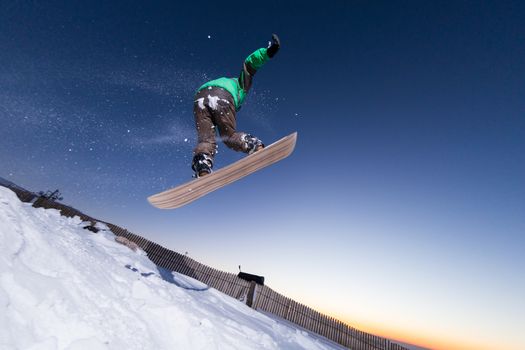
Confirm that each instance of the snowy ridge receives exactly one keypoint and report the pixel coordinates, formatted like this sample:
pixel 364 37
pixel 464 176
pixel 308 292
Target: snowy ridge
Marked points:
pixel 9 184
pixel 63 287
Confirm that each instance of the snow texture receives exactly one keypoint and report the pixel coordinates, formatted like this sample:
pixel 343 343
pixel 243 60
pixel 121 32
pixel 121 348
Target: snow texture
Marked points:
pixel 200 101
pixel 213 102
pixel 64 287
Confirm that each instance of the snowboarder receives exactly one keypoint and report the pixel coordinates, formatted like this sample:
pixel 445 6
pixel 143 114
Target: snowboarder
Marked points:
pixel 216 104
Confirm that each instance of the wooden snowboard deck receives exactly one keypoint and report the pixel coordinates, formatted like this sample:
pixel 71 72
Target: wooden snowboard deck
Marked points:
pixel 190 191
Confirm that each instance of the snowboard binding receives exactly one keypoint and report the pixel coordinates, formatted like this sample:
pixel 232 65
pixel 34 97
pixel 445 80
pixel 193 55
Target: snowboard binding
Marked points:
pixel 202 164
pixel 251 143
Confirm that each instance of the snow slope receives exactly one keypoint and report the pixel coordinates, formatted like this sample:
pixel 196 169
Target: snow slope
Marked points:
pixel 64 287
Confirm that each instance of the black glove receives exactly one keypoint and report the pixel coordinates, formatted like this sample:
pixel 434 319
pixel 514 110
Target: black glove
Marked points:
pixel 273 46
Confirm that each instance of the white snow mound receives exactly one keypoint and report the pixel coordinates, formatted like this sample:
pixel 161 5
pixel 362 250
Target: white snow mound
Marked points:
pixel 64 287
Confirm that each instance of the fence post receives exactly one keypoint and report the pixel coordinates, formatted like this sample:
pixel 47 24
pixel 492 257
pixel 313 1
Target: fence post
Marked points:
pixel 251 294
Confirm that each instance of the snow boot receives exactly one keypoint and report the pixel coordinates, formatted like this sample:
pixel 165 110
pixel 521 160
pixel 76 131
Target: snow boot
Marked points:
pixel 202 164
pixel 252 144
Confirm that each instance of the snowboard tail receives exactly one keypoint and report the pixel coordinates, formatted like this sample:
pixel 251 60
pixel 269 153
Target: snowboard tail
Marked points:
pixel 192 190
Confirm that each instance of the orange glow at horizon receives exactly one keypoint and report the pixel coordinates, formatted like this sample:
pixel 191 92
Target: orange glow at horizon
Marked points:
pixel 428 340
pixel 431 342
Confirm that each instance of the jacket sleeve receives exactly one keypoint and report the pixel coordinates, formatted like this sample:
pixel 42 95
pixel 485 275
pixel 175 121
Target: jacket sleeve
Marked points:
pixel 251 65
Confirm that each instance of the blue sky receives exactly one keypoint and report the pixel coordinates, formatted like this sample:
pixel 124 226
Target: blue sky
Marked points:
pixel 402 208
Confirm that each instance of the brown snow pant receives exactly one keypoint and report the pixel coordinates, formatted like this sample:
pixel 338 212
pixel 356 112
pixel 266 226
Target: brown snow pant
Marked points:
pixel 214 108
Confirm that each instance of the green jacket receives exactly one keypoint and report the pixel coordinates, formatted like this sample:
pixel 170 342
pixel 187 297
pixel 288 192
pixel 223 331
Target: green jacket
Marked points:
pixel 238 87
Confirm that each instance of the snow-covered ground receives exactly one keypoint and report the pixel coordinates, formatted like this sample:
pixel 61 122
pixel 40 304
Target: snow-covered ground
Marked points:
pixel 64 287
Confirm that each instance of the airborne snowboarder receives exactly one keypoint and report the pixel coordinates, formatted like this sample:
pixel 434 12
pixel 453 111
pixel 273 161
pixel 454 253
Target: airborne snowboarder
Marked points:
pixel 215 107
pixel 216 104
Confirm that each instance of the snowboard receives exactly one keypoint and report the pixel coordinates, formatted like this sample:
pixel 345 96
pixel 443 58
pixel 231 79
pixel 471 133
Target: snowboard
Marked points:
pixel 192 190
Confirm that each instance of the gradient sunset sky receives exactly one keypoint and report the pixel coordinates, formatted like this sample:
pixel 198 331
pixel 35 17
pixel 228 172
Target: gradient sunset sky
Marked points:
pixel 402 209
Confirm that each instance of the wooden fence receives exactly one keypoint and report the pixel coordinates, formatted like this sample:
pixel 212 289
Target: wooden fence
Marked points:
pixel 261 298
